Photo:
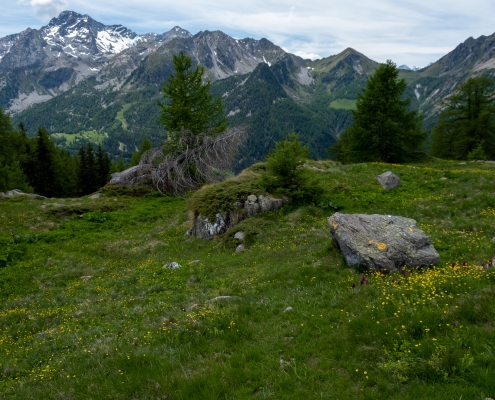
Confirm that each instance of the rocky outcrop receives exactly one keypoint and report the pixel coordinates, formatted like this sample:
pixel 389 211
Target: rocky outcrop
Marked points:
pixel 381 242
pixel 389 180
pixel 17 192
pixel 205 229
pixel 132 176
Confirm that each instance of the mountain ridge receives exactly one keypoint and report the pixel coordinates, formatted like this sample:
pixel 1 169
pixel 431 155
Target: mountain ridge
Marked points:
pixel 97 86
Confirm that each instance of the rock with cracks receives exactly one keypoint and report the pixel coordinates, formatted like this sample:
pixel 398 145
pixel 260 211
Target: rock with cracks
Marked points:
pixel 389 180
pixel 381 242
pixel 204 228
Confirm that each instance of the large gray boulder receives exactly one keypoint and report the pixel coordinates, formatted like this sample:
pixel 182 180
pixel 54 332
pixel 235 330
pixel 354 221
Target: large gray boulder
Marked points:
pixel 381 242
pixel 132 176
pixel 389 180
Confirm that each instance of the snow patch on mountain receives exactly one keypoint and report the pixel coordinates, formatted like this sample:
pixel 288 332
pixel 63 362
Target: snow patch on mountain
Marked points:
pixel 415 68
pixel 113 42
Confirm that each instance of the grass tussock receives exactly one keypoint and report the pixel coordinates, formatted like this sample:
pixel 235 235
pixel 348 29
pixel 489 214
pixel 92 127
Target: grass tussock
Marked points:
pixel 88 312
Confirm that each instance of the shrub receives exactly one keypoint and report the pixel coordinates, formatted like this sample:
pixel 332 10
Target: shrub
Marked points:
pixel 285 174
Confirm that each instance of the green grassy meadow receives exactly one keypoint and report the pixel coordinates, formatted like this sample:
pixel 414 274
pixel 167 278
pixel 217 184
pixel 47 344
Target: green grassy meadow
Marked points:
pixel 90 136
pixel 88 312
pixel 344 104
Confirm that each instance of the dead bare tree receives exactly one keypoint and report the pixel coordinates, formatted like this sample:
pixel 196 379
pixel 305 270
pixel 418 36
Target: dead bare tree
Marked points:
pixel 187 161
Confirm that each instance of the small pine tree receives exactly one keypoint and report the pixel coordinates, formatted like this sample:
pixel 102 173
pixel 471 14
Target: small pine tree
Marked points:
pixel 189 104
pixel 284 172
pixel 136 156
pixel 118 166
pixel 81 171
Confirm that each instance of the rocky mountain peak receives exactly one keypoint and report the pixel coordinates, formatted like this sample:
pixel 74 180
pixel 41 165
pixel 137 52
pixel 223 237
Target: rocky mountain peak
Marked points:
pixel 80 35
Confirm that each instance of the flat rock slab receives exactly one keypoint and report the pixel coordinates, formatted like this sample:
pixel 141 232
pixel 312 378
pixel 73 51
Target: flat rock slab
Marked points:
pixel 381 242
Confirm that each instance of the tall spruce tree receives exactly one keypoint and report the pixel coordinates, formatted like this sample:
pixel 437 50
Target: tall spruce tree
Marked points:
pixel 188 102
pixel 383 128
pixel 82 171
pixel 87 173
pixel 13 156
pixel 102 167
pixel 46 177
pixel 467 124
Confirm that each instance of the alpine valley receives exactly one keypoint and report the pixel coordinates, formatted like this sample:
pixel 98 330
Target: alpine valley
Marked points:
pixel 83 80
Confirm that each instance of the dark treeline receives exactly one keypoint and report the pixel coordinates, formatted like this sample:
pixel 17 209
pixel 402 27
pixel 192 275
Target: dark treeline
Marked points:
pixel 37 165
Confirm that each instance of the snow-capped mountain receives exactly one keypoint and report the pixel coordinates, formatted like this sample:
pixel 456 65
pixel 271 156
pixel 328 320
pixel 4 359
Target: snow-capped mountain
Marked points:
pixel 77 36
pixel 7 42
pixel 39 64
pixel 47 61
pixel 407 68
pixel 415 68
pixel 80 35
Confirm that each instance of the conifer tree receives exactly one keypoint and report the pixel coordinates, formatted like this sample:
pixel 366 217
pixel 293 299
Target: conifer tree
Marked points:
pixel 188 104
pixel 466 128
pixel 383 128
pixel 82 171
pixel 136 156
pixel 102 167
pixel 118 166
pixel 87 176
pixel 45 163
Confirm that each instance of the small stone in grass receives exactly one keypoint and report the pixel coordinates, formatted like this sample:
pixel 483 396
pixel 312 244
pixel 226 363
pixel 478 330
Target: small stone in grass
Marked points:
pixel 240 236
pixel 172 265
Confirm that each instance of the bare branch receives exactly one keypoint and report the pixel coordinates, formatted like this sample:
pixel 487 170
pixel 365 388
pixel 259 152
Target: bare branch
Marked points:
pixel 188 161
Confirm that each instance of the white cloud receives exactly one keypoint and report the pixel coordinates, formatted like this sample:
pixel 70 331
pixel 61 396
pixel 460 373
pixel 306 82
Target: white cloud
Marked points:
pixel 44 10
pixel 303 54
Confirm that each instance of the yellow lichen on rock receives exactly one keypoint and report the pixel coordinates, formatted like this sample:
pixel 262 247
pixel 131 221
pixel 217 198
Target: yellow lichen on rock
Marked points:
pixel 381 246
pixel 334 224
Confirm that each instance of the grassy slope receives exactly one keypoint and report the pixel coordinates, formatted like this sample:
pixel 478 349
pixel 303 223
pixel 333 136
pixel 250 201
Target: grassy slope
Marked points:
pixel 344 104
pixel 88 312
pixel 89 136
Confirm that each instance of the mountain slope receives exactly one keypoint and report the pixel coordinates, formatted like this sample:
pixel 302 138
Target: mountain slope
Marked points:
pixel 430 85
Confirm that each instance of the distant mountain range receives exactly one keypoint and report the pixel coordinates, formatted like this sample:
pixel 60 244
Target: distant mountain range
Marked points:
pixel 407 68
pixel 83 80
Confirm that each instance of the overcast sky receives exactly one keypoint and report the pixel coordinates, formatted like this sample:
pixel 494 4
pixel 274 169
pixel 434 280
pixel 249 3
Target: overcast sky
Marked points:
pixel 412 32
